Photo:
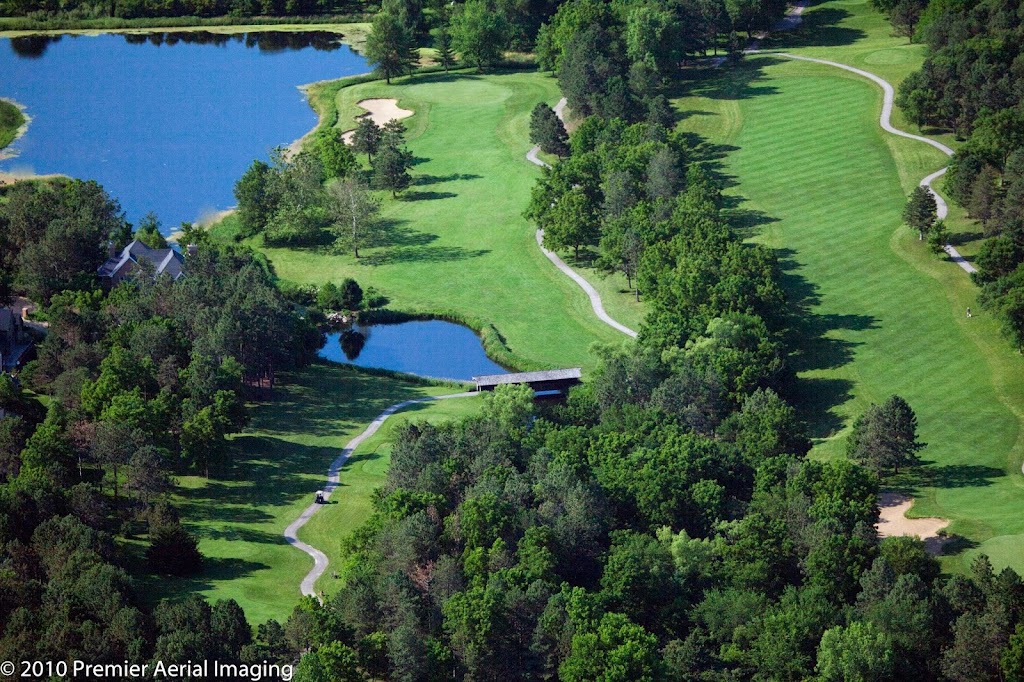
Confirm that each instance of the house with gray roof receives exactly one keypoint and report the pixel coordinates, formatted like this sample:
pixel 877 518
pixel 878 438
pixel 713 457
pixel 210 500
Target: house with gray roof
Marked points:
pixel 163 262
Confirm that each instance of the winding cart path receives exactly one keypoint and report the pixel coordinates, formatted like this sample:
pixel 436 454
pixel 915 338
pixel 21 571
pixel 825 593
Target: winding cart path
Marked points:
pixel 320 560
pixel 885 121
pixel 595 298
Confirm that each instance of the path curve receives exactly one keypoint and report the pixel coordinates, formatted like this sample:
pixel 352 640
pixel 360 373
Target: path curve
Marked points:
pixel 595 298
pixel 531 155
pixel 320 560
pixel 884 120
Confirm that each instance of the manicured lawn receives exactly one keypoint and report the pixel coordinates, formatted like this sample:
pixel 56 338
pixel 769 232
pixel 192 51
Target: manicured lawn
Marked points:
pixel 364 472
pixel 277 464
pixel 459 241
pixel 816 178
pixel 11 119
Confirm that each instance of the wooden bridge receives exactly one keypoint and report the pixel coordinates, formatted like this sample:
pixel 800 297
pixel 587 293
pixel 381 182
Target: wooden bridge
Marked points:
pixel 544 383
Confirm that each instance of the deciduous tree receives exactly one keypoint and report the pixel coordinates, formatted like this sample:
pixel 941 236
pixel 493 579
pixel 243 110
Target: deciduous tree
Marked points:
pixel 354 211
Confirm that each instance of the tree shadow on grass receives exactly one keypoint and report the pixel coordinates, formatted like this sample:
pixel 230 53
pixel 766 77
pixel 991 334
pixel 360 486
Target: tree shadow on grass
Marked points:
pixel 175 589
pixel 423 254
pixel 742 81
pixel 960 238
pixel 814 348
pixel 746 221
pixel 428 196
pixel 819 28
pixel 929 475
pixel 451 177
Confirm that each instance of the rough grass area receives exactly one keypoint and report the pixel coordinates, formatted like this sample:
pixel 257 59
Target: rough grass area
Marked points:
pixel 11 119
pixel 458 240
pixel 240 513
pixel 364 472
pixel 813 176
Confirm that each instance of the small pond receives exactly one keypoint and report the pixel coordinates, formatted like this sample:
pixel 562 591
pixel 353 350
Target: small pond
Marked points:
pixel 166 122
pixel 431 348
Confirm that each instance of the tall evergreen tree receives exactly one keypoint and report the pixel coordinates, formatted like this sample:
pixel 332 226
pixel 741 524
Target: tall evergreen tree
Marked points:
pixel 547 130
pixel 366 137
pixel 921 211
pixel 389 46
pixel 885 437
pixel 443 47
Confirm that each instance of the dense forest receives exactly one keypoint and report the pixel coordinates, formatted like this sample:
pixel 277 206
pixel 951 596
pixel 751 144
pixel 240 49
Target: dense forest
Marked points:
pixel 131 385
pixel 972 83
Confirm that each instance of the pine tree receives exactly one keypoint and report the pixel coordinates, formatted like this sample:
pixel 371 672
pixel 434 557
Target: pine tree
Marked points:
pixel 391 165
pixel 547 131
pixel 366 137
pixel 885 437
pixel 443 47
pixel 390 46
pixel 921 211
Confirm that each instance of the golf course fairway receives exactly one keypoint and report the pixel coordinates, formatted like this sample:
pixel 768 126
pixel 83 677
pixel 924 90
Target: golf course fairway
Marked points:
pixel 875 312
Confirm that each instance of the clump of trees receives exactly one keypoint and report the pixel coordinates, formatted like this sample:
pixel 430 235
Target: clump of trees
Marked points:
pixel 53 236
pixel 348 296
pixel 322 191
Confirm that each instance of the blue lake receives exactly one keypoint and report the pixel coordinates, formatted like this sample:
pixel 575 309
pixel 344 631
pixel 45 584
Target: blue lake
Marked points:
pixel 165 122
pixel 434 348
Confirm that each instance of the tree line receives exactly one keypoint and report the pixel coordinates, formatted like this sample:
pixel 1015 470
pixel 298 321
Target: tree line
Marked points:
pixel 48 10
pixel 627 50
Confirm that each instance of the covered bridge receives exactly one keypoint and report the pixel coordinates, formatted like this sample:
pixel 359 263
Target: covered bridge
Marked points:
pixel 545 383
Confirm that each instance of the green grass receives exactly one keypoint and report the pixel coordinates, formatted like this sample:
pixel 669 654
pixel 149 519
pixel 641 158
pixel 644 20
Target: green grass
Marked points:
pixel 364 472
pixel 459 240
pixel 815 177
pixel 239 514
pixel 11 119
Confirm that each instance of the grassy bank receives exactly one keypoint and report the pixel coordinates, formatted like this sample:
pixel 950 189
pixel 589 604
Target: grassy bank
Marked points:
pixel 276 465
pixel 458 241
pixel 814 176
pixel 11 121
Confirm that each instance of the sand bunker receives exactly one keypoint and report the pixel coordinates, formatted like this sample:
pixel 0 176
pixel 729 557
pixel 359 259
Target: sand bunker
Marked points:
pixel 381 111
pixel 892 521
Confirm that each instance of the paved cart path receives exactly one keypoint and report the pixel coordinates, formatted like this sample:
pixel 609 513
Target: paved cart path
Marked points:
pixel 320 561
pixel 595 298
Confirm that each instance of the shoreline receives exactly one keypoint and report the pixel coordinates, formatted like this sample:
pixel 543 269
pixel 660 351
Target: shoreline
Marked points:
pixel 357 30
pixel 6 152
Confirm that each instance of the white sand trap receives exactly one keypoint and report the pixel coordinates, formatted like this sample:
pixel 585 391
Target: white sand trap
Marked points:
pixel 381 111
pixel 892 521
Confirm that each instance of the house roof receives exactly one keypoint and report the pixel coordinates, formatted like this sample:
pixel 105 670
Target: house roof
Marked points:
pixel 528 377
pixel 165 261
